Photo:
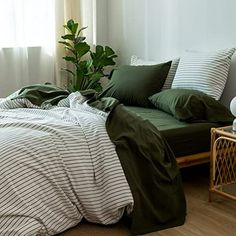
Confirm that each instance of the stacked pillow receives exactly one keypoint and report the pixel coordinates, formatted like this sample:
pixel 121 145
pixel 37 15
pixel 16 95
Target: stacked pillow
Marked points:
pixel 191 106
pixel 133 85
pixel 135 61
pixel 204 71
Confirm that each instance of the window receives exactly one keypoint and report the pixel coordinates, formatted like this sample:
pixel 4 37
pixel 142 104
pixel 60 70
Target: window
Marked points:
pixel 26 23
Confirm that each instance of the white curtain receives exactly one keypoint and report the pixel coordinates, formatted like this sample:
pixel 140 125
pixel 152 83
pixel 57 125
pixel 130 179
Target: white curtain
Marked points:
pixel 29 35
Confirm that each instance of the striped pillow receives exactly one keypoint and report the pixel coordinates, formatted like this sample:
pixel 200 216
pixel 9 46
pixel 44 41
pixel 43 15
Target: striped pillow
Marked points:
pixel 204 71
pixel 135 61
pixel 171 74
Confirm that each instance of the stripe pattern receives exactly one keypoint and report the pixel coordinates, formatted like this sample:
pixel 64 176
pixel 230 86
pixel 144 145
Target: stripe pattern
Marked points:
pixel 57 166
pixel 171 74
pixel 204 71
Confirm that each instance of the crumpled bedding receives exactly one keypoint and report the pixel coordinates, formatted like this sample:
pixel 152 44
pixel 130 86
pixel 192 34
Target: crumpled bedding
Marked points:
pixel 58 166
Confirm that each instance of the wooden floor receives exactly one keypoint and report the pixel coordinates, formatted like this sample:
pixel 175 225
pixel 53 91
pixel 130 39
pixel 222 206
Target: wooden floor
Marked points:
pixel 217 218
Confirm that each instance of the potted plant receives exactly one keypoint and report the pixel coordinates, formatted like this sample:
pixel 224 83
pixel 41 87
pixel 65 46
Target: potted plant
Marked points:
pixel 87 66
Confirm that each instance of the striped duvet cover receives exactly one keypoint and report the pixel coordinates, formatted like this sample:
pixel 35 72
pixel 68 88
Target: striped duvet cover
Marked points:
pixel 57 166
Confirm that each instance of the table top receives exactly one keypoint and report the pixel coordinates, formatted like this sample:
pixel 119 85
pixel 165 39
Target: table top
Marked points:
pixel 225 131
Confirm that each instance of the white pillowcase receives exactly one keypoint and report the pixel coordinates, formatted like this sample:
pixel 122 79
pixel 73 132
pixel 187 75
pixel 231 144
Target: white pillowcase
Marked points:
pixel 204 71
pixel 135 61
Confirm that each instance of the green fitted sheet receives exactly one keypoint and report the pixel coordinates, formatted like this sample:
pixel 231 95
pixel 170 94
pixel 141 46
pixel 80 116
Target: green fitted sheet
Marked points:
pixel 183 138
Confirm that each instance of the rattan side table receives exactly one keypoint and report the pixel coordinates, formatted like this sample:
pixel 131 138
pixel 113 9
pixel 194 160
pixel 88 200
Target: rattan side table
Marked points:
pixel 223 162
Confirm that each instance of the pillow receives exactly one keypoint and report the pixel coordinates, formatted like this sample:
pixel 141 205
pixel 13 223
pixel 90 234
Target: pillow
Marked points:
pixel 204 71
pixel 171 74
pixel 135 61
pixel 191 106
pixel 132 85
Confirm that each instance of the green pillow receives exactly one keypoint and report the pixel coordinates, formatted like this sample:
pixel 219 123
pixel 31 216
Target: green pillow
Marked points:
pixel 191 106
pixel 132 85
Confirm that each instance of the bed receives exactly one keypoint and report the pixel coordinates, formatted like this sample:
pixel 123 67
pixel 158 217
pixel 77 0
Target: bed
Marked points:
pixel 79 159
pixel 65 156
pixel 208 72
pixel 190 142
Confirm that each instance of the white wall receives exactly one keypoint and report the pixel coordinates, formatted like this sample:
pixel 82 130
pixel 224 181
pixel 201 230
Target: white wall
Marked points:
pixel 101 22
pixel 164 29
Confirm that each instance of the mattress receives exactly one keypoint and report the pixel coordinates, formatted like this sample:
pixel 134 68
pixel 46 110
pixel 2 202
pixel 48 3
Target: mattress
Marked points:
pixel 183 138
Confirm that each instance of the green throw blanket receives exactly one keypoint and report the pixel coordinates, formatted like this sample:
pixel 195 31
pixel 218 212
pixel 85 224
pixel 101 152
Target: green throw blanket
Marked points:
pixel 42 94
pixel 148 163
pixel 151 170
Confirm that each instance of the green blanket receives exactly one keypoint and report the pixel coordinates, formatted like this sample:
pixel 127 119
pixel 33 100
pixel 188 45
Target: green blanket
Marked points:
pixel 151 170
pixel 148 163
pixel 42 94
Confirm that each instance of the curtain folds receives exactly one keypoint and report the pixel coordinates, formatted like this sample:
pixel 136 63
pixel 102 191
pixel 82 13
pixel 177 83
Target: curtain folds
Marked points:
pixel 26 43
pixel 29 48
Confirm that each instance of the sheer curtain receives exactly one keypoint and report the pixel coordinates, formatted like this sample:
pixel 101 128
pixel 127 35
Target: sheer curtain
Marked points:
pixel 29 35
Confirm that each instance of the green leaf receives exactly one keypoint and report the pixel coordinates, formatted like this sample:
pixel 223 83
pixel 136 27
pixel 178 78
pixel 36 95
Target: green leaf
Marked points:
pixel 108 62
pixel 72 59
pixel 83 67
pixel 96 76
pixel 82 48
pixel 65 43
pixel 74 28
pixel 70 24
pixel 68 36
pixel 69 71
pixel 89 63
pixel 81 29
pixel 109 51
pixel 99 50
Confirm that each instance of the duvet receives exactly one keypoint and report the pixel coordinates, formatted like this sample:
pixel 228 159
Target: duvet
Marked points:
pixel 83 156
pixel 57 166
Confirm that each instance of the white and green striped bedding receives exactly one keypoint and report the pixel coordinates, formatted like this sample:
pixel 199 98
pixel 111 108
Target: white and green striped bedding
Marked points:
pixel 57 166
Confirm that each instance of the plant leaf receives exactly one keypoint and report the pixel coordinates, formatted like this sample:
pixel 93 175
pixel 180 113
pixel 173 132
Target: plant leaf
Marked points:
pixel 109 51
pixel 82 48
pixel 68 36
pixel 70 23
pixel 65 43
pixel 72 59
pixel 99 50
pixel 81 29
pixel 74 28
pixel 69 71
